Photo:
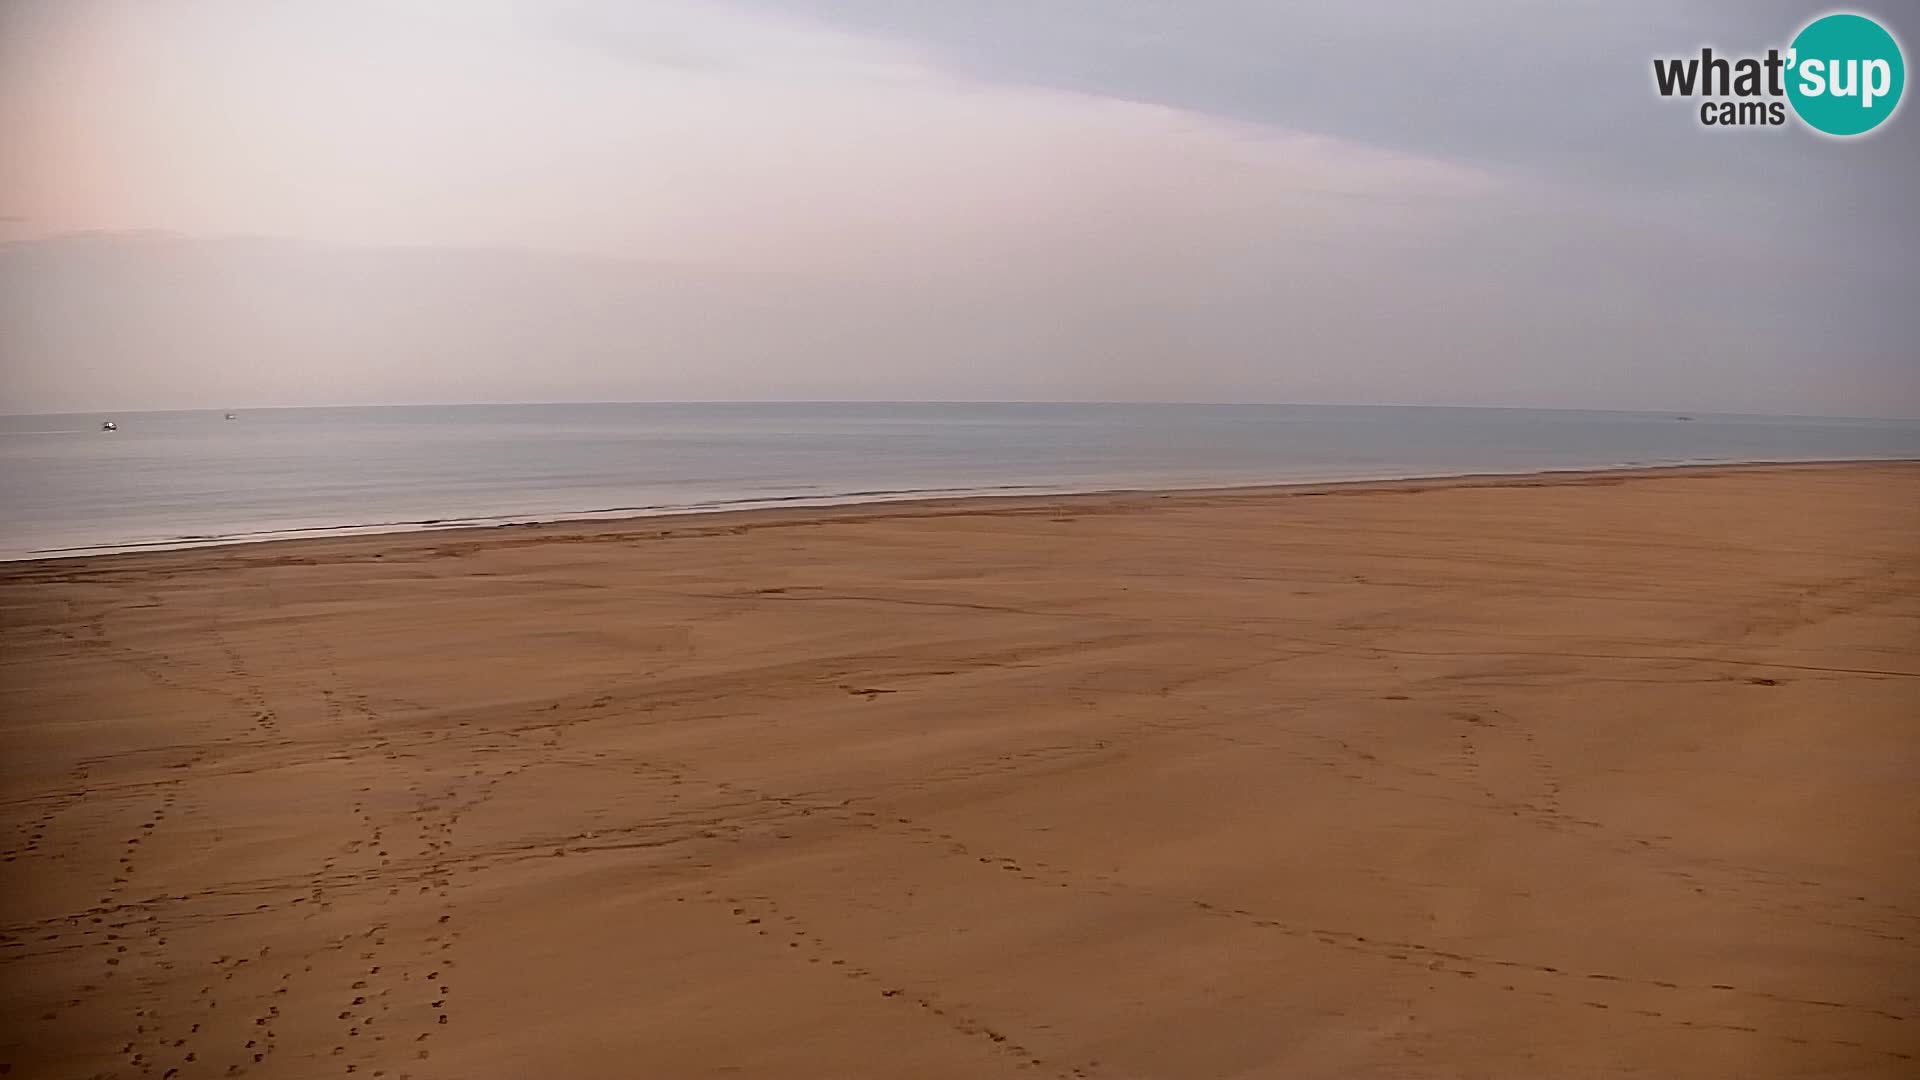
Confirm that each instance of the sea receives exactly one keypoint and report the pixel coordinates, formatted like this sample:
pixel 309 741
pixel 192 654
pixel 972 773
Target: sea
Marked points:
pixel 180 479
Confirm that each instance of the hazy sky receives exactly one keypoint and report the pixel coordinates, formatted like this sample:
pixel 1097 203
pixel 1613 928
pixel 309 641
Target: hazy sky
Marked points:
pixel 232 203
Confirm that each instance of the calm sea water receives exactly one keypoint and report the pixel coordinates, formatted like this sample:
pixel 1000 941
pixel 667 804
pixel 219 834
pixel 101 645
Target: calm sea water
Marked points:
pixel 181 478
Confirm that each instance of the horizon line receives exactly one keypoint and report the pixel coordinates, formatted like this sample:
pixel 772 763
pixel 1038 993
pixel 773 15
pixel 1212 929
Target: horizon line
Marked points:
pixel 1673 411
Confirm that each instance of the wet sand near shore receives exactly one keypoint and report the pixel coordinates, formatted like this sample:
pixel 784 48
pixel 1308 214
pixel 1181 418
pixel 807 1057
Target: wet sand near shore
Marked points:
pixel 1569 776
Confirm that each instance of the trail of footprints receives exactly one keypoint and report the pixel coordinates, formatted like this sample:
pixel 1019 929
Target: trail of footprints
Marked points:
pixel 392 996
pixel 391 988
pixel 767 919
pixel 167 1045
pixel 252 698
pixel 33 833
pixel 397 990
pixel 1569 986
pixel 156 668
pixel 398 994
pixel 143 956
pixel 1543 809
pixel 158 1042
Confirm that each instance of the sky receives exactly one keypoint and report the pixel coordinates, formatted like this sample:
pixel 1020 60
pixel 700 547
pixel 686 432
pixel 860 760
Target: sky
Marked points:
pixel 231 203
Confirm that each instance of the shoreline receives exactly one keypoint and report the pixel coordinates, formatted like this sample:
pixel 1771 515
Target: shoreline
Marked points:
pixel 808 510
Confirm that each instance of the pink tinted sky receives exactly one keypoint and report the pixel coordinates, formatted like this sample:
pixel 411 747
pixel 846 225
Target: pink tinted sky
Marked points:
pixel 510 200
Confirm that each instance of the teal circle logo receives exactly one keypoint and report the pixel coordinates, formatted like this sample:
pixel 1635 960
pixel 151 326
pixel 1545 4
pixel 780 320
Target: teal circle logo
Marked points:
pixel 1845 74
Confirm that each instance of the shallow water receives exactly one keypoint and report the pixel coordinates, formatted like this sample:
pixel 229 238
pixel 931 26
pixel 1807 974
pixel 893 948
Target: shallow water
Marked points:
pixel 178 478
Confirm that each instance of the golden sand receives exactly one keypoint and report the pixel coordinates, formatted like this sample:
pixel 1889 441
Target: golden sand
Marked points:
pixel 1560 777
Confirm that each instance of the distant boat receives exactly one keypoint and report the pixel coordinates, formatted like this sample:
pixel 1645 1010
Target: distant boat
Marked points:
pixel 109 426
pixel 229 416
pixel 1683 418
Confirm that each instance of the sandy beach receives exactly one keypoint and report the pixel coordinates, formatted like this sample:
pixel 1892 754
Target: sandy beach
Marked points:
pixel 1569 776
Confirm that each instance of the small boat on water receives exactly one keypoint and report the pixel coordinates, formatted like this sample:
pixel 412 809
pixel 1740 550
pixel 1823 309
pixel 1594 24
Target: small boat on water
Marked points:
pixel 229 416
pixel 109 426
